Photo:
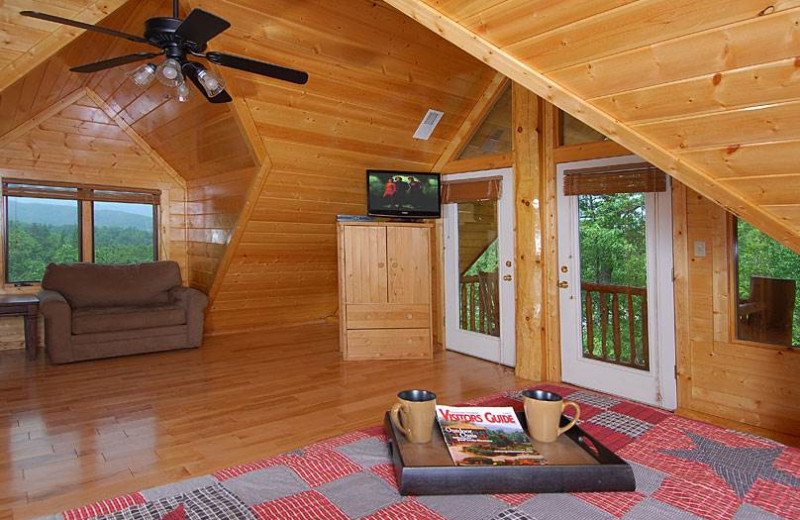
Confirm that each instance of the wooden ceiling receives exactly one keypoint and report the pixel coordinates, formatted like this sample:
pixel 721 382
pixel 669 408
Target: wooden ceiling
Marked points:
pixel 374 74
pixel 708 91
pixel 28 42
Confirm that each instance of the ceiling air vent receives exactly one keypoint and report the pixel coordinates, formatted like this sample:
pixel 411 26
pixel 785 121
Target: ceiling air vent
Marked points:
pixel 428 124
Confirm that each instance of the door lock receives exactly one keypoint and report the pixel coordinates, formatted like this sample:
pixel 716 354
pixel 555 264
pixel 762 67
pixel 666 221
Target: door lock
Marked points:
pixel 563 284
pixel 507 278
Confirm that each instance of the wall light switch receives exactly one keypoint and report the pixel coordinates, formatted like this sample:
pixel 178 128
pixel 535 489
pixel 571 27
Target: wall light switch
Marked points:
pixel 699 249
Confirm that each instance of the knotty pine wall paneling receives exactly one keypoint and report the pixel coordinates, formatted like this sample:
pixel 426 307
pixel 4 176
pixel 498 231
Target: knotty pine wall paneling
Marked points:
pixel 213 205
pixel 717 374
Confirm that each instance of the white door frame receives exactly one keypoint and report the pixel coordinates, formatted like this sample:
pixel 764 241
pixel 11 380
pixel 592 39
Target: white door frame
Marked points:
pixel 658 386
pixel 503 349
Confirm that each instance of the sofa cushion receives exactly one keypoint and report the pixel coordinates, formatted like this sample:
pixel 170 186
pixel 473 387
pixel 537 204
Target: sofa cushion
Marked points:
pixel 90 320
pixel 95 285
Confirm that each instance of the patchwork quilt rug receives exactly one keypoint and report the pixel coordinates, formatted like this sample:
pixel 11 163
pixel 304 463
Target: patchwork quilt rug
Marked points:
pixel 684 470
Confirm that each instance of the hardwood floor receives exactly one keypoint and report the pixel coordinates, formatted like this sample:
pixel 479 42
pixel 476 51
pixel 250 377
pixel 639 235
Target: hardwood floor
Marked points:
pixel 74 434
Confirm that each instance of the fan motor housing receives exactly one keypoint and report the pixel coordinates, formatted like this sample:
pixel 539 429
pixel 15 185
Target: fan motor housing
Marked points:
pixel 160 32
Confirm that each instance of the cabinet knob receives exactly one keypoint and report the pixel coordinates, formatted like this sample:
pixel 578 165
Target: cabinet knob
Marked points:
pixel 409 316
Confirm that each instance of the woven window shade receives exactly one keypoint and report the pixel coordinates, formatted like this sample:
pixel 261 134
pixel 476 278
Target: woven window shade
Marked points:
pixel 628 178
pixel 471 191
pixel 48 190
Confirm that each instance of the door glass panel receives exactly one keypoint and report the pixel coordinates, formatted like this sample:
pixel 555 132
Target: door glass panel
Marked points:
pixel 614 278
pixel 478 268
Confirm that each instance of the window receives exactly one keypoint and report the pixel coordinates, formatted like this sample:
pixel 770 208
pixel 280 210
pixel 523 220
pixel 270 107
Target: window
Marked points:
pixel 124 232
pixel 493 136
pixel 572 131
pixel 49 222
pixel 40 231
pixel 767 274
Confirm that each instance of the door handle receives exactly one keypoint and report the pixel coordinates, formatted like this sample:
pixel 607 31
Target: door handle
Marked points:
pixel 563 284
pixel 507 278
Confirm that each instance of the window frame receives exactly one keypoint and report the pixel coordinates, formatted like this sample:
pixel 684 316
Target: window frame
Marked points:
pixel 733 291
pixel 85 196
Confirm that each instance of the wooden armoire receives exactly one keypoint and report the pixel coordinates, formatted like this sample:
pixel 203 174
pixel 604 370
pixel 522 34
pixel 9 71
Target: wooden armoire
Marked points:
pixel 385 290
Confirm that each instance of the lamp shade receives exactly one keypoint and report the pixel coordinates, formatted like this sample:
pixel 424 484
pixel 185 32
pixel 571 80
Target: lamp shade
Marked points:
pixel 144 75
pixel 212 83
pixel 169 73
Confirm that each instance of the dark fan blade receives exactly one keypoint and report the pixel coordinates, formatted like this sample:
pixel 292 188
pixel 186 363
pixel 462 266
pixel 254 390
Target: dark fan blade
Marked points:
pixel 114 62
pixel 190 70
pixel 81 25
pixel 200 26
pixel 258 67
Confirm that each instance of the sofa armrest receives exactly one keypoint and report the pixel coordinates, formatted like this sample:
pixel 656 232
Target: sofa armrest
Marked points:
pixel 57 325
pixel 194 302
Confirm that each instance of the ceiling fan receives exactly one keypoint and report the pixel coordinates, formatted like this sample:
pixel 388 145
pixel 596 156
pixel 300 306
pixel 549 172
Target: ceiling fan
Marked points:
pixel 178 40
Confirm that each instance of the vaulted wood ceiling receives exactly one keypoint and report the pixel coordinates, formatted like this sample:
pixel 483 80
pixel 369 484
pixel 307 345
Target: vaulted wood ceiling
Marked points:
pixel 709 91
pixel 269 173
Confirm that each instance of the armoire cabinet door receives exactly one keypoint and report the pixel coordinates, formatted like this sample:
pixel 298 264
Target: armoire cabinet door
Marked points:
pixel 409 263
pixel 365 264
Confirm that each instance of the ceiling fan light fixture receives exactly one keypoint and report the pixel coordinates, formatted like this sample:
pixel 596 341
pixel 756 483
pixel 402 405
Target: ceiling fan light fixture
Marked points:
pixel 169 73
pixel 183 93
pixel 144 75
pixel 212 83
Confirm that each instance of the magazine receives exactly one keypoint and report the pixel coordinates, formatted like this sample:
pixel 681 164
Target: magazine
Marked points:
pixel 486 437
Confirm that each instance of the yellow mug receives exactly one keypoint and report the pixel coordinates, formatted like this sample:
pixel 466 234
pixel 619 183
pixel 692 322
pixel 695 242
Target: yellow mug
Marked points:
pixel 414 414
pixel 543 411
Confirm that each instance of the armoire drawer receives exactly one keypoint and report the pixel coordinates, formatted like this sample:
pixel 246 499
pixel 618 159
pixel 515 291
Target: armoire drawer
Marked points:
pixel 388 316
pixel 388 344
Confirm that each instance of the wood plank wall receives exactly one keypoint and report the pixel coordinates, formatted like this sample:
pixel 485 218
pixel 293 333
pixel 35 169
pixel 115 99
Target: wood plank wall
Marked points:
pixel 374 74
pixel 717 374
pixel 214 204
pixel 81 144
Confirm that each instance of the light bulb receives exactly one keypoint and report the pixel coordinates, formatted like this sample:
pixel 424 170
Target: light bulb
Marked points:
pixel 144 75
pixel 169 73
pixel 183 92
pixel 212 83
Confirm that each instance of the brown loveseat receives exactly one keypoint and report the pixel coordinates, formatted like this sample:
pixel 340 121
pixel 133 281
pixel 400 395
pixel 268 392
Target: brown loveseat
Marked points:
pixel 96 311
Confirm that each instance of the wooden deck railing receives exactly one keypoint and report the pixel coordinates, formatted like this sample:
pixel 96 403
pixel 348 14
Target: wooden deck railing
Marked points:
pixel 617 304
pixel 480 309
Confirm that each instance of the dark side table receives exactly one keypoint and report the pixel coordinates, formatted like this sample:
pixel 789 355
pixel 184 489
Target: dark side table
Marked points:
pixel 28 307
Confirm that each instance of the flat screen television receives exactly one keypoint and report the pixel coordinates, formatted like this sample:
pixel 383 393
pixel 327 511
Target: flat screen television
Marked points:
pixel 403 194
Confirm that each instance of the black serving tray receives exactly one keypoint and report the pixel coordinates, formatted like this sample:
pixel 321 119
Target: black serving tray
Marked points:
pixel 576 463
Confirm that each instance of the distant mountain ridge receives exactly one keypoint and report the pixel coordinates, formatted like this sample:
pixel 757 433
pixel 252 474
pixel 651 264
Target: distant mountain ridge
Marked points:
pixel 51 215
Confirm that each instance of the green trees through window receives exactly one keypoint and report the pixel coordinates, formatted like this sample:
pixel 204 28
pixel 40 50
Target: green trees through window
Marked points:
pixel 613 259
pixel 768 274
pixel 123 233
pixel 41 230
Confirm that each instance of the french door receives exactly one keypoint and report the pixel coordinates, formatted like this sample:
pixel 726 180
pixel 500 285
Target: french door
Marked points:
pixel 616 297
pixel 479 271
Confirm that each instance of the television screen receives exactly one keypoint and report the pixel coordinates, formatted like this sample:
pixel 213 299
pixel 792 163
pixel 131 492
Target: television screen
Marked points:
pixel 403 194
